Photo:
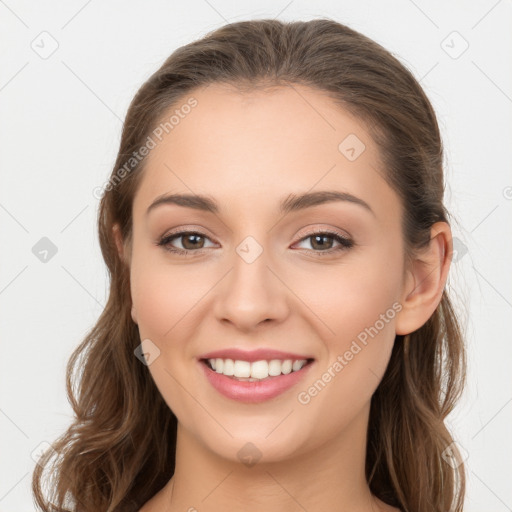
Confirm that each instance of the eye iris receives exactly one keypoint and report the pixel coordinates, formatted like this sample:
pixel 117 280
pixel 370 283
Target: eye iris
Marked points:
pixel 186 239
pixel 320 237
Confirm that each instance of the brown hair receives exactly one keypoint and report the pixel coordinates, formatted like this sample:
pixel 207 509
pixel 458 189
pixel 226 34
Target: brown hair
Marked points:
pixel 120 449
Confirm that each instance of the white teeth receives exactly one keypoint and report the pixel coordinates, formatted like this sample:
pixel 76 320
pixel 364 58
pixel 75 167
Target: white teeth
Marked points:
pixel 229 367
pixel 286 366
pixel 242 369
pixel 256 370
pixel 274 367
pixel 259 370
pixel 297 365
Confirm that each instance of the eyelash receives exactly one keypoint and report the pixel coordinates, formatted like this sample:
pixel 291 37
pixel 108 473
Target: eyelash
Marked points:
pixel 345 243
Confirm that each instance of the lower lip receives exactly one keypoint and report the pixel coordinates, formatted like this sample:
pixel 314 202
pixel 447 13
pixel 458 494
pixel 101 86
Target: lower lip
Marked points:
pixel 253 392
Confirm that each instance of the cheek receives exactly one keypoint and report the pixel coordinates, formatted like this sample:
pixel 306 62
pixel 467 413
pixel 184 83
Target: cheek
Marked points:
pixel 164 300
pixel 164 297
pixel 154 305
pixel 354 295
pixel 358 303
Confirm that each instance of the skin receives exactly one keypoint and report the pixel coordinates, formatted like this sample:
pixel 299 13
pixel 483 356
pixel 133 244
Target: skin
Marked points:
pixel 248 151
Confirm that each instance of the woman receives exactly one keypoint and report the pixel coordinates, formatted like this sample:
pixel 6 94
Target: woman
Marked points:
pixel 278 335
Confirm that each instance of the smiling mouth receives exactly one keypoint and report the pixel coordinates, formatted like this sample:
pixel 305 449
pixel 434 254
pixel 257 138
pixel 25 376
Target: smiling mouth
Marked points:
pixel 255 371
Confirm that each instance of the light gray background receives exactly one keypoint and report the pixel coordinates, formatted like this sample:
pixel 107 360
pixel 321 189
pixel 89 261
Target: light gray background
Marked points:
pixel 61 116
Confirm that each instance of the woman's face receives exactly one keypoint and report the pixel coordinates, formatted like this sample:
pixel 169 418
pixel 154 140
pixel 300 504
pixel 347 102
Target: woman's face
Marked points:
pixel 266 271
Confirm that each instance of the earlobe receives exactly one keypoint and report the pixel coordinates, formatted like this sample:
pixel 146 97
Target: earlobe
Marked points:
pixel 134 314
pixel 425 281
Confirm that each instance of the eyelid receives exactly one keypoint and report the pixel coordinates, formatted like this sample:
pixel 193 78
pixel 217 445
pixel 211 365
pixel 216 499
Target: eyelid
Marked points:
pixel 309 231
pixel 187 229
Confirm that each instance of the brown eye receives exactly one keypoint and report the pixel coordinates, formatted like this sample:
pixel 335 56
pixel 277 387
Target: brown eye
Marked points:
pixel 191 241
pixel 319 242
pixel 322 242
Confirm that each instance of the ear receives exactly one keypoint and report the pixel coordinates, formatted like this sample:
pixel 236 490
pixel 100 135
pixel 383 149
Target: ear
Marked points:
pixel 116 233
pixel 425 282
pixel 118 238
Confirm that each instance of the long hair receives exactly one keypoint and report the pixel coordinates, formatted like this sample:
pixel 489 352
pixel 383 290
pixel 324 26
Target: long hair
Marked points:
pixel 120 449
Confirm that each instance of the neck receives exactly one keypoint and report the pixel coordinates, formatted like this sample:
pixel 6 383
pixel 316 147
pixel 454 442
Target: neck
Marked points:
pixel 328 477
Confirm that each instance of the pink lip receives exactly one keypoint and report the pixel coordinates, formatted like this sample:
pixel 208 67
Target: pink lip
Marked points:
pixel 254 392
pixel 253 355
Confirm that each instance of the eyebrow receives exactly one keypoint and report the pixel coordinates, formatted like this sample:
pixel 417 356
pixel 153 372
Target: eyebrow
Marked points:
pixel 292 203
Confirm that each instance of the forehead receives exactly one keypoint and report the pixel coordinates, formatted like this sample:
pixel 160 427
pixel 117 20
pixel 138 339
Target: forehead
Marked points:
pixel 256 146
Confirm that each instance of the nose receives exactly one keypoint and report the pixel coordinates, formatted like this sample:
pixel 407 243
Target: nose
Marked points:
pixel 252 293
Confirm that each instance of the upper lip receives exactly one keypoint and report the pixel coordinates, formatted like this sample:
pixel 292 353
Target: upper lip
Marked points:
pixel 260 354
